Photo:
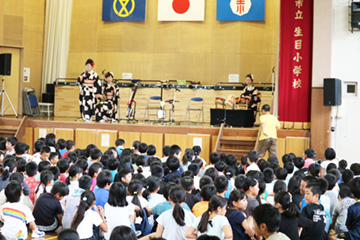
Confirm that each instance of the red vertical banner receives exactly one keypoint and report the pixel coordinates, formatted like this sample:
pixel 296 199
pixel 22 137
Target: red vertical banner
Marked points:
pixel 296 36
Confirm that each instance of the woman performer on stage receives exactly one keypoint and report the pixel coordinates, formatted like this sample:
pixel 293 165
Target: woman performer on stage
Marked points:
pixel 107 111
pixel 250 93
pixel 90 87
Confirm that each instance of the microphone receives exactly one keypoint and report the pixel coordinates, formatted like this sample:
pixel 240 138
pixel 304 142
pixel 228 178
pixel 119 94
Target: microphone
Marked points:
pixel 103 71
pixel 178 90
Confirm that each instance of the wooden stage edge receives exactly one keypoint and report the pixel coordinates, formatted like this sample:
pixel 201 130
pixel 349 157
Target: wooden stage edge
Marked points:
pixel 104 135
pixel 146 127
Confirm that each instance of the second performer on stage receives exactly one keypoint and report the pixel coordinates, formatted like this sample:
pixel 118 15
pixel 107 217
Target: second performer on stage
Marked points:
pixel 106 110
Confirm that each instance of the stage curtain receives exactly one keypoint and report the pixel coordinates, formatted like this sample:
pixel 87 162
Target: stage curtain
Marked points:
pixel 56 40
pixel 295 64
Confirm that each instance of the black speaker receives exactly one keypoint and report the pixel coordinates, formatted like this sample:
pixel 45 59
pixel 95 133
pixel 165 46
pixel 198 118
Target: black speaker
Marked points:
pixel 332 92
pixel 48 98
pixel 5 64
pixel 355 15
pixel 50 88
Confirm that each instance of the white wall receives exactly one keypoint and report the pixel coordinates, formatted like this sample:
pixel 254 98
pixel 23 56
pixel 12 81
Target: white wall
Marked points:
pixel 345 65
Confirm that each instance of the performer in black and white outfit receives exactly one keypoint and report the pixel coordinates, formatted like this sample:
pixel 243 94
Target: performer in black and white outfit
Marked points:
pixel 90 87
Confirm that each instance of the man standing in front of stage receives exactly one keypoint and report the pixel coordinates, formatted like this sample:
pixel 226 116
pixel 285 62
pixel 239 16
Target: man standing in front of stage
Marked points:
pixel 268 137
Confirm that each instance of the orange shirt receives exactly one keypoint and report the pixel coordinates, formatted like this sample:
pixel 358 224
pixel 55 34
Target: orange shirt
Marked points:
pixel 199 208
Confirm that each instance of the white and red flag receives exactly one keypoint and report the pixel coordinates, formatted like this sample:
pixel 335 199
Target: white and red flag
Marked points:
pixel 181 10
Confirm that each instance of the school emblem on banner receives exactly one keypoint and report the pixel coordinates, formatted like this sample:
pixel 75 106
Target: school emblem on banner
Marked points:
pixel 124 10
pixel 181 10
pixel 240 10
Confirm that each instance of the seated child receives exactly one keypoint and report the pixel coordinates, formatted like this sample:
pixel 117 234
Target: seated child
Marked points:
pixel 73 200
pixel 187 183
pixel 103 181
pixel 94 171
pixel 124 176
pixel 53 158
pixel 206 193
pixel 340 212
pixel 314 212
pixel 47 211
pixel 120 144
pixel 10 145
pixel 15 226
pixel 240 225
pixel 86 221
pixel 212 222
pixel 173 223
pixel 353 216
pixel 67 234
pixel 31 172
pixel 63 166
pixel 266 223
pixel 173 164
pixel 45 185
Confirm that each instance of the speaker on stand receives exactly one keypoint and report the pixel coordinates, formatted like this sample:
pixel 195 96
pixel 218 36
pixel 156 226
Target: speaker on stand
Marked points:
pixel 5 70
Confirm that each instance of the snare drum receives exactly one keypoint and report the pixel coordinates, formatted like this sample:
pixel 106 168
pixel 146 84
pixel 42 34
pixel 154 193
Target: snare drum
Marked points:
pixel 230 101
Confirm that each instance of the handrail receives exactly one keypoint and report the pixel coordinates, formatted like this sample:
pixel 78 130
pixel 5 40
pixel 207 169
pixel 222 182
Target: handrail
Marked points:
pixel 220 135
pixel 21 129
pixel 257 138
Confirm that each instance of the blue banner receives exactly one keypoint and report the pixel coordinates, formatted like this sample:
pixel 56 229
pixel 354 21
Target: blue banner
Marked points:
pixel 124 10
pixel 240 10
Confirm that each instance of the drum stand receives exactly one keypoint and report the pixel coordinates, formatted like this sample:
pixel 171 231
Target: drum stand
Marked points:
pixel 172 110
pixel 3 93
pixel 223 121
pixel 132 118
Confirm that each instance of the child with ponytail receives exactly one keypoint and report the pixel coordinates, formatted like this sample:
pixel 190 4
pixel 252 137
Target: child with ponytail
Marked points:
pixel 85 218
pixel 240 225
pixel 75 173
pixel 213 222
pixel 118 206
pixel 45 185
pixel 173 223
pixel 290 215
pixel 5 171
pixel 135 189
pixel 151 189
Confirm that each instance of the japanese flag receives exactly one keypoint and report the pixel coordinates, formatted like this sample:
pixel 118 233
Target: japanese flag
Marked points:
pixel 181 10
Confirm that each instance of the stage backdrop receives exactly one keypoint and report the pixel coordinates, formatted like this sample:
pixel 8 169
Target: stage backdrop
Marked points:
pixel 296 27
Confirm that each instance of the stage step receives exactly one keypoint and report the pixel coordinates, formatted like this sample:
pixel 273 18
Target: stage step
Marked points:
pixel 7 131
pixel 237 152
pixel 12 127
pixel 242 142
pixel 238 143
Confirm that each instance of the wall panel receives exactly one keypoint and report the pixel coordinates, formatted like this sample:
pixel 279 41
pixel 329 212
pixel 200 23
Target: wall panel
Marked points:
pixel 179 139
pixel 105 139
pixel 193 139
pixel 155 139
pixel 129 138
pixel 84 137
pixel 42 132
pixel 64 133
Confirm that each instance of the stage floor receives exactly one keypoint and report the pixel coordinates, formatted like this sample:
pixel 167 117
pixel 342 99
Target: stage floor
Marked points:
pixel 122 122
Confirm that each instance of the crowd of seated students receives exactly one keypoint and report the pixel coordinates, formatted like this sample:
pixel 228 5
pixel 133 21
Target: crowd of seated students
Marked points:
pixel 140 193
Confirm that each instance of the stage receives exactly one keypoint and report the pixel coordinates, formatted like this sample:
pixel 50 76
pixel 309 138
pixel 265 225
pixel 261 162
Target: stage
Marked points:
pixel 104 135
